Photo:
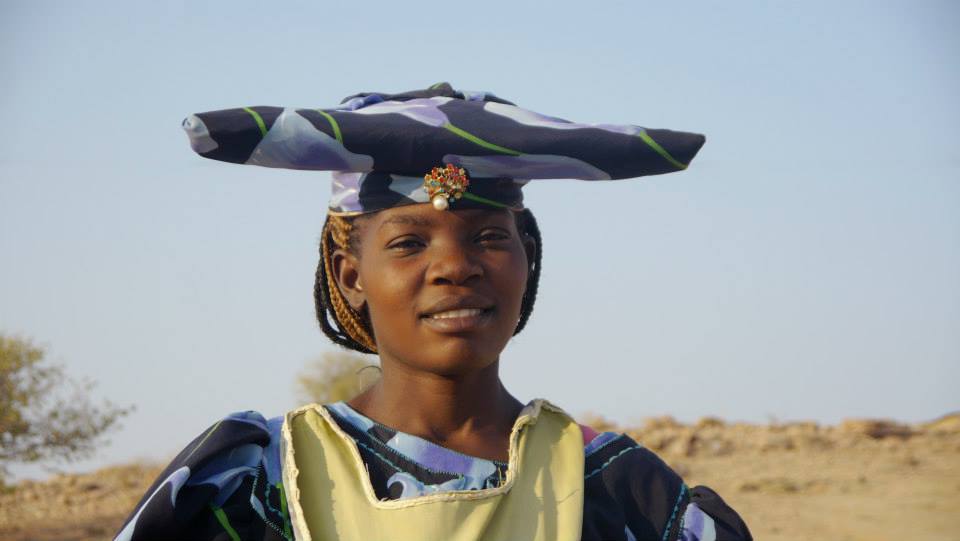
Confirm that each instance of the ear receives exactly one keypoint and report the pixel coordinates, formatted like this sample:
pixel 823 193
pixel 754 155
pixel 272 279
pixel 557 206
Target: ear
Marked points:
pixel 346 271
pixel 530 247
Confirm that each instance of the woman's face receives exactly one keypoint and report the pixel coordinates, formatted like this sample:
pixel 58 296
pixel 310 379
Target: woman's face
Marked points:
pixel 442 288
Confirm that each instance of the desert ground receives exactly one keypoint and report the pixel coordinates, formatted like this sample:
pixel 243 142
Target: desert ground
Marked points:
pixel 861 480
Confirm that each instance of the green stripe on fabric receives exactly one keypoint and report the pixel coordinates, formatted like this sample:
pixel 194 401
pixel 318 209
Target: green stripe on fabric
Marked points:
pixel 659 149
pixel 333 124
pixel 478 199
pixel 474 139
pixel 225 522
pixel 283 511
pixel 256 116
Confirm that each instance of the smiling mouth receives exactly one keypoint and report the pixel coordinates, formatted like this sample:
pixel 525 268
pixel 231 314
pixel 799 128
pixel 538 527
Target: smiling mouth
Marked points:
pixel 460 320
pixel 452 314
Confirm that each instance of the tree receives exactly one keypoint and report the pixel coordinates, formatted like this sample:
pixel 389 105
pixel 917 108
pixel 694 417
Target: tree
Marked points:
pixel 44 414
pixel 336 376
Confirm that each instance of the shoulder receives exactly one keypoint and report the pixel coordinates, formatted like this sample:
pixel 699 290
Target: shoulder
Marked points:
pixel 215 483
pixel 631 493
pixel 612 454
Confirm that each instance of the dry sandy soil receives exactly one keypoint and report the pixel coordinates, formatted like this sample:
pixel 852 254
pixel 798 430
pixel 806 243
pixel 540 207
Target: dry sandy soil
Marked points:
pixel 862 480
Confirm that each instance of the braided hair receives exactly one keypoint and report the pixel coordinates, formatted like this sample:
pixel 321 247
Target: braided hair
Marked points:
pixel 351 328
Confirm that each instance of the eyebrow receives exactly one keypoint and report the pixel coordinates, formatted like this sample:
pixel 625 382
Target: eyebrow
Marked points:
pixel 403 219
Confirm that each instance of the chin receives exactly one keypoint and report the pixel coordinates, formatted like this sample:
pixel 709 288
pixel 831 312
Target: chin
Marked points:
pixel 455 356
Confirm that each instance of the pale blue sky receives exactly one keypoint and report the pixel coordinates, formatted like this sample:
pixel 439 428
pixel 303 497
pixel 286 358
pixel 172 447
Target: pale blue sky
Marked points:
pixel 806 267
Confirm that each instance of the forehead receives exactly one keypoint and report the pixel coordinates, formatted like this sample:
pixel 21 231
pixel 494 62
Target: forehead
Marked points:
pixel 426 216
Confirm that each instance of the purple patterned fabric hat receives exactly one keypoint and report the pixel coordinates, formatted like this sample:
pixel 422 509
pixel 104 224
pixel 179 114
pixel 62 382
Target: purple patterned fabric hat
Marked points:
pixel 382 148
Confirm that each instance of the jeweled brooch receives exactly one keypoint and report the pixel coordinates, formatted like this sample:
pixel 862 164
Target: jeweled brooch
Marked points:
pixel 445 183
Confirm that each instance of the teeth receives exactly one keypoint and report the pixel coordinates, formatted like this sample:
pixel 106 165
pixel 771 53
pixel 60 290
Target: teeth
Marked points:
pixel 466 312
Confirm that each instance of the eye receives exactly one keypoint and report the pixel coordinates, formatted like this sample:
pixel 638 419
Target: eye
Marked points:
pixel 406 243
pixel 492 235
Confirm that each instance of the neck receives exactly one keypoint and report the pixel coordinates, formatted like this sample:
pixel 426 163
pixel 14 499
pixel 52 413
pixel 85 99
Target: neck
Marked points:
pixel 472 413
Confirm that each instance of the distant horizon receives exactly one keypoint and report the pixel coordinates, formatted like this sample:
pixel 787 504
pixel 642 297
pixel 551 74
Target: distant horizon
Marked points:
pixel 40 472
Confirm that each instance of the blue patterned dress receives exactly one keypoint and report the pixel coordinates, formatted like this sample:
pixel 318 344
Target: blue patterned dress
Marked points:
pixel 226 485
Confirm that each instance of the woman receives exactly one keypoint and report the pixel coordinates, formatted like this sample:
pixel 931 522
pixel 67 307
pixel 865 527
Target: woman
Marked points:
pixel 434 273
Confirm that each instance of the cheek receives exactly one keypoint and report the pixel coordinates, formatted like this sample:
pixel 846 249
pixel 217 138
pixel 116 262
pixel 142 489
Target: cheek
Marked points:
pixel 512 280
pixel 389 292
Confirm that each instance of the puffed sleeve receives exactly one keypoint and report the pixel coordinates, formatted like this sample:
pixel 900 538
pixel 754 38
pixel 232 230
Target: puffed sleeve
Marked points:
pixel 224 485
pixel 630 494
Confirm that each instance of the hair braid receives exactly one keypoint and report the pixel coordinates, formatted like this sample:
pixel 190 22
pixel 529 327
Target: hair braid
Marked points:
pixel 349 328
pixel 527 225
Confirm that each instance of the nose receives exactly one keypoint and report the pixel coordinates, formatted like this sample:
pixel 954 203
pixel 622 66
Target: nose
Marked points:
pixel 453 265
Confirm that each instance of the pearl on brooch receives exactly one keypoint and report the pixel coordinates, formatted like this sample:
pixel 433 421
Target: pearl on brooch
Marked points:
pixel 440 202
pixel 444 183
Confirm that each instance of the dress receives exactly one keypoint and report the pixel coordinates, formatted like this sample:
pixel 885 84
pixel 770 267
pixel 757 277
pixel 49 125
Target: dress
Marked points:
pixel 227 484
